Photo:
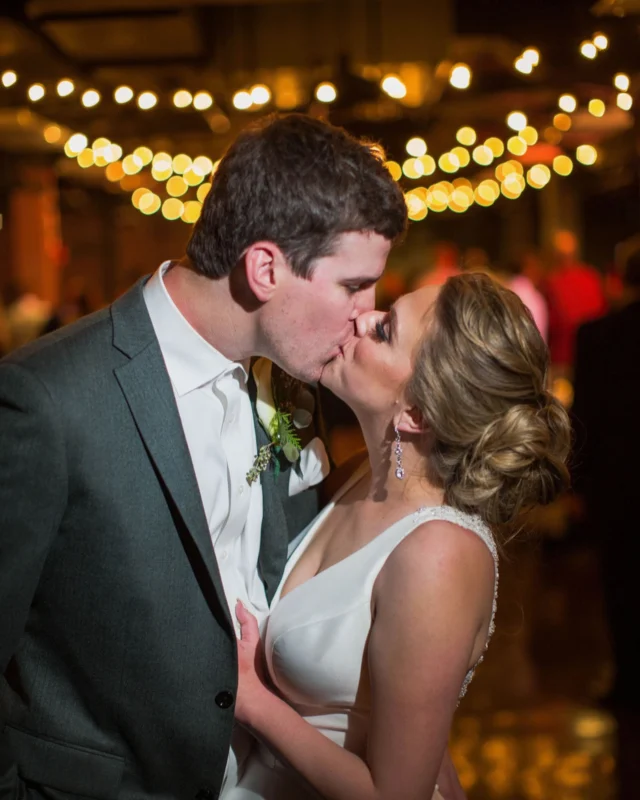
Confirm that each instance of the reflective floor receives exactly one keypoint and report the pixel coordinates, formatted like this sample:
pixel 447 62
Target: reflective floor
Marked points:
pixel 530 727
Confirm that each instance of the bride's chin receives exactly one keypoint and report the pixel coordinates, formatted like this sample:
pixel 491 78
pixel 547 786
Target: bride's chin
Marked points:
pixel 330 376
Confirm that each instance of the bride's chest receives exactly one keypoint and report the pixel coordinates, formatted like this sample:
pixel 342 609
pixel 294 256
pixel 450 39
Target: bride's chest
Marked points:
pixel 316 637
pixel 345 533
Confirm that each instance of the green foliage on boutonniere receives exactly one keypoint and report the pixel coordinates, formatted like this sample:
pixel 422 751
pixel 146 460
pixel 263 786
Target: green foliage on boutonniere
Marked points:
pixel 284 440
pixel 284 406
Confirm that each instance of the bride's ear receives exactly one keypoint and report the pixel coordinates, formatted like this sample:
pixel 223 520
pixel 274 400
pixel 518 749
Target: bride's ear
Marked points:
pixel 411 421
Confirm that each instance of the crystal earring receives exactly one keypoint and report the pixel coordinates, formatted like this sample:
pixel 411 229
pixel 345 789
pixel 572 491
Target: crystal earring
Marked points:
pixel 398 452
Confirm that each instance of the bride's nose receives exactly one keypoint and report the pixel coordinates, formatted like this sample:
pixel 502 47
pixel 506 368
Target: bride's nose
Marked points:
pixel 365 323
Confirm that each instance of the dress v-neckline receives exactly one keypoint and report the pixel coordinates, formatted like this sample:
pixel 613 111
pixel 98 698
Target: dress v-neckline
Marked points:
pixel 357 476
pixel 297 554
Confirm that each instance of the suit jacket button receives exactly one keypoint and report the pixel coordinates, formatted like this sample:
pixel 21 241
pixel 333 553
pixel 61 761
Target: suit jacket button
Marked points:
pixel 224 699
pixel 205 794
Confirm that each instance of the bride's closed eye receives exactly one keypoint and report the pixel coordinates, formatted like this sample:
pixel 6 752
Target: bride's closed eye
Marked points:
pixel 380 331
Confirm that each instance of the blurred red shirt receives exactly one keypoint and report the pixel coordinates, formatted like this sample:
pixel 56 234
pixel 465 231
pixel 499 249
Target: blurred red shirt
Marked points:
pixel 576 294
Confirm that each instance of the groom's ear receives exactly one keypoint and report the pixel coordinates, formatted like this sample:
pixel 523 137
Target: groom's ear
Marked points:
pixel 261 261
pixel 411 421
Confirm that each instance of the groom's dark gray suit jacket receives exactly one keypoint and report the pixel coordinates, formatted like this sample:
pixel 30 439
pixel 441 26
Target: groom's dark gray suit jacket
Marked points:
pixel 117 651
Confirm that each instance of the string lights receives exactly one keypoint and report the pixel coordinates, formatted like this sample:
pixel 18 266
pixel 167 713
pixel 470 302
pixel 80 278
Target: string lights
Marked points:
pixel 142 171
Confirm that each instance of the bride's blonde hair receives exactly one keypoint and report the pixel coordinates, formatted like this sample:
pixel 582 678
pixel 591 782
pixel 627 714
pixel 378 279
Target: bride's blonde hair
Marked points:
pixel 499 440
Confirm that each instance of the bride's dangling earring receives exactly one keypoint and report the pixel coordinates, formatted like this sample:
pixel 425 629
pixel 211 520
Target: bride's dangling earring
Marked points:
pixel 398 452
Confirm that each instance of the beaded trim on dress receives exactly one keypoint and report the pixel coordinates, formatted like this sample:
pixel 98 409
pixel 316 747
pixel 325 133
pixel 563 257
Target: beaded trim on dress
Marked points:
pixel 473 523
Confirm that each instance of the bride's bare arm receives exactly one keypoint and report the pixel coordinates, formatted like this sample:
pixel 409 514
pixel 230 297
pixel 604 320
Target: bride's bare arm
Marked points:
pixel 448 781
pixel 432 601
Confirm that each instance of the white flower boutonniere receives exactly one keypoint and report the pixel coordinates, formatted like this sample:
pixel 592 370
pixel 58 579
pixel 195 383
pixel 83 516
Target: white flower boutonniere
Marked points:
pixel 285 408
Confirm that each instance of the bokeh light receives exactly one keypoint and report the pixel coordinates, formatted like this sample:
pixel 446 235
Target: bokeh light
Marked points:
pixel 172 208
pixel 495 145
pixel 182 98
pixel 147 100
pixel 624 101
pixel 466 136
pixel 242 101
pixel 601 41
pixel 395 169
pixel 394 86
pixel 460 76
pixel 202 101
pixel 326 92
pixel 562 121
pixel 416 147
pixel 516 120
pixel 123 94
pixel 568 103
pixel 588 50
pixel 35 92
pixel 191 212
pixel 65 87
pixel 621 82
pixel 260 94
pixel 587 154
pixel 90 98
pixel 9 77
pixel 563 165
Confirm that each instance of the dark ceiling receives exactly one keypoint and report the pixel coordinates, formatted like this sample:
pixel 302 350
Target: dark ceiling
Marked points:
pixel 224 45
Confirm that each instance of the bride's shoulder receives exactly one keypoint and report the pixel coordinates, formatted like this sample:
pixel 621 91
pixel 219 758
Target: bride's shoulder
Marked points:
pixel 439 554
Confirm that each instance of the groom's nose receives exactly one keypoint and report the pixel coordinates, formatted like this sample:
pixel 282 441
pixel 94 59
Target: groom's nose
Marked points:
pixel 366 322
pixel 365 300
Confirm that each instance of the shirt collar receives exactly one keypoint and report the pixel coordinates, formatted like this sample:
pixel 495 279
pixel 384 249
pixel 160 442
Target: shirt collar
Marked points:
pixel 190 360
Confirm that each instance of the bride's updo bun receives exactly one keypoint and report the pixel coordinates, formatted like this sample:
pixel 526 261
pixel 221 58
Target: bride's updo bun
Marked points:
pixel 498 439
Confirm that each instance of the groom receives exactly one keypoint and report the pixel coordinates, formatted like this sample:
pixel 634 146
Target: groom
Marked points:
pixel 128 527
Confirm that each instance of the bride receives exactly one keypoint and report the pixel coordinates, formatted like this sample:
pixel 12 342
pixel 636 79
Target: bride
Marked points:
pixel 387 605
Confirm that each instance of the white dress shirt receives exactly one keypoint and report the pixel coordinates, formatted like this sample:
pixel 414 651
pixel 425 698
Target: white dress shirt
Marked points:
pixel 215 410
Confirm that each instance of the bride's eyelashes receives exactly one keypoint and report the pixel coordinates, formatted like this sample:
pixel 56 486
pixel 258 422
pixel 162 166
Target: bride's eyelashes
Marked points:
pixel 380 333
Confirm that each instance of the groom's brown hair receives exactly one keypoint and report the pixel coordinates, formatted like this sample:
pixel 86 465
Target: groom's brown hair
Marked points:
pixel 297 182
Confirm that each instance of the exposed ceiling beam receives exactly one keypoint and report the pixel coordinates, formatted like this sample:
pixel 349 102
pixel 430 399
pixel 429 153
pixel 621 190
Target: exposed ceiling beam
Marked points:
pixel 18 16
pixel 89 14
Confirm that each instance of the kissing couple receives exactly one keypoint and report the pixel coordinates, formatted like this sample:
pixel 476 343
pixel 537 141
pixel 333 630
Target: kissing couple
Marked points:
pixel 181 618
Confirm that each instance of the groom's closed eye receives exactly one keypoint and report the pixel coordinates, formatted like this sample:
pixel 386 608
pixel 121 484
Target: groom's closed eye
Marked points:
pixel 362 286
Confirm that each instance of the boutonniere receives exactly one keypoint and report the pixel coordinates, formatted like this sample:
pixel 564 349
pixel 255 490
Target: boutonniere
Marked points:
pixel 285 408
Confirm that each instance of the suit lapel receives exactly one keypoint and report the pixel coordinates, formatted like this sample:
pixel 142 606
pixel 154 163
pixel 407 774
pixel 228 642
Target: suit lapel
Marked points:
pixel 274 539
pixel 146 386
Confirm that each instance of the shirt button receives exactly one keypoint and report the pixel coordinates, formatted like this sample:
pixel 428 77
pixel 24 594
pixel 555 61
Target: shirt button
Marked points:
pixel 241 490
pixel 223 555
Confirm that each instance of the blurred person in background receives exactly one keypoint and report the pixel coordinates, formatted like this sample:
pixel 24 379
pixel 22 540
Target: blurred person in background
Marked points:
pixel 26 315
pixel 511 275
pixel 445 263
pixel 575 293
pixel 532 266
pixel 476 259
pixel 606 415
pixel 73 305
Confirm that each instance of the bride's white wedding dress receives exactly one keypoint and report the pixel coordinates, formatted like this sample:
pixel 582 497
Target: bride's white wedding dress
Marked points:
pixel 315 647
